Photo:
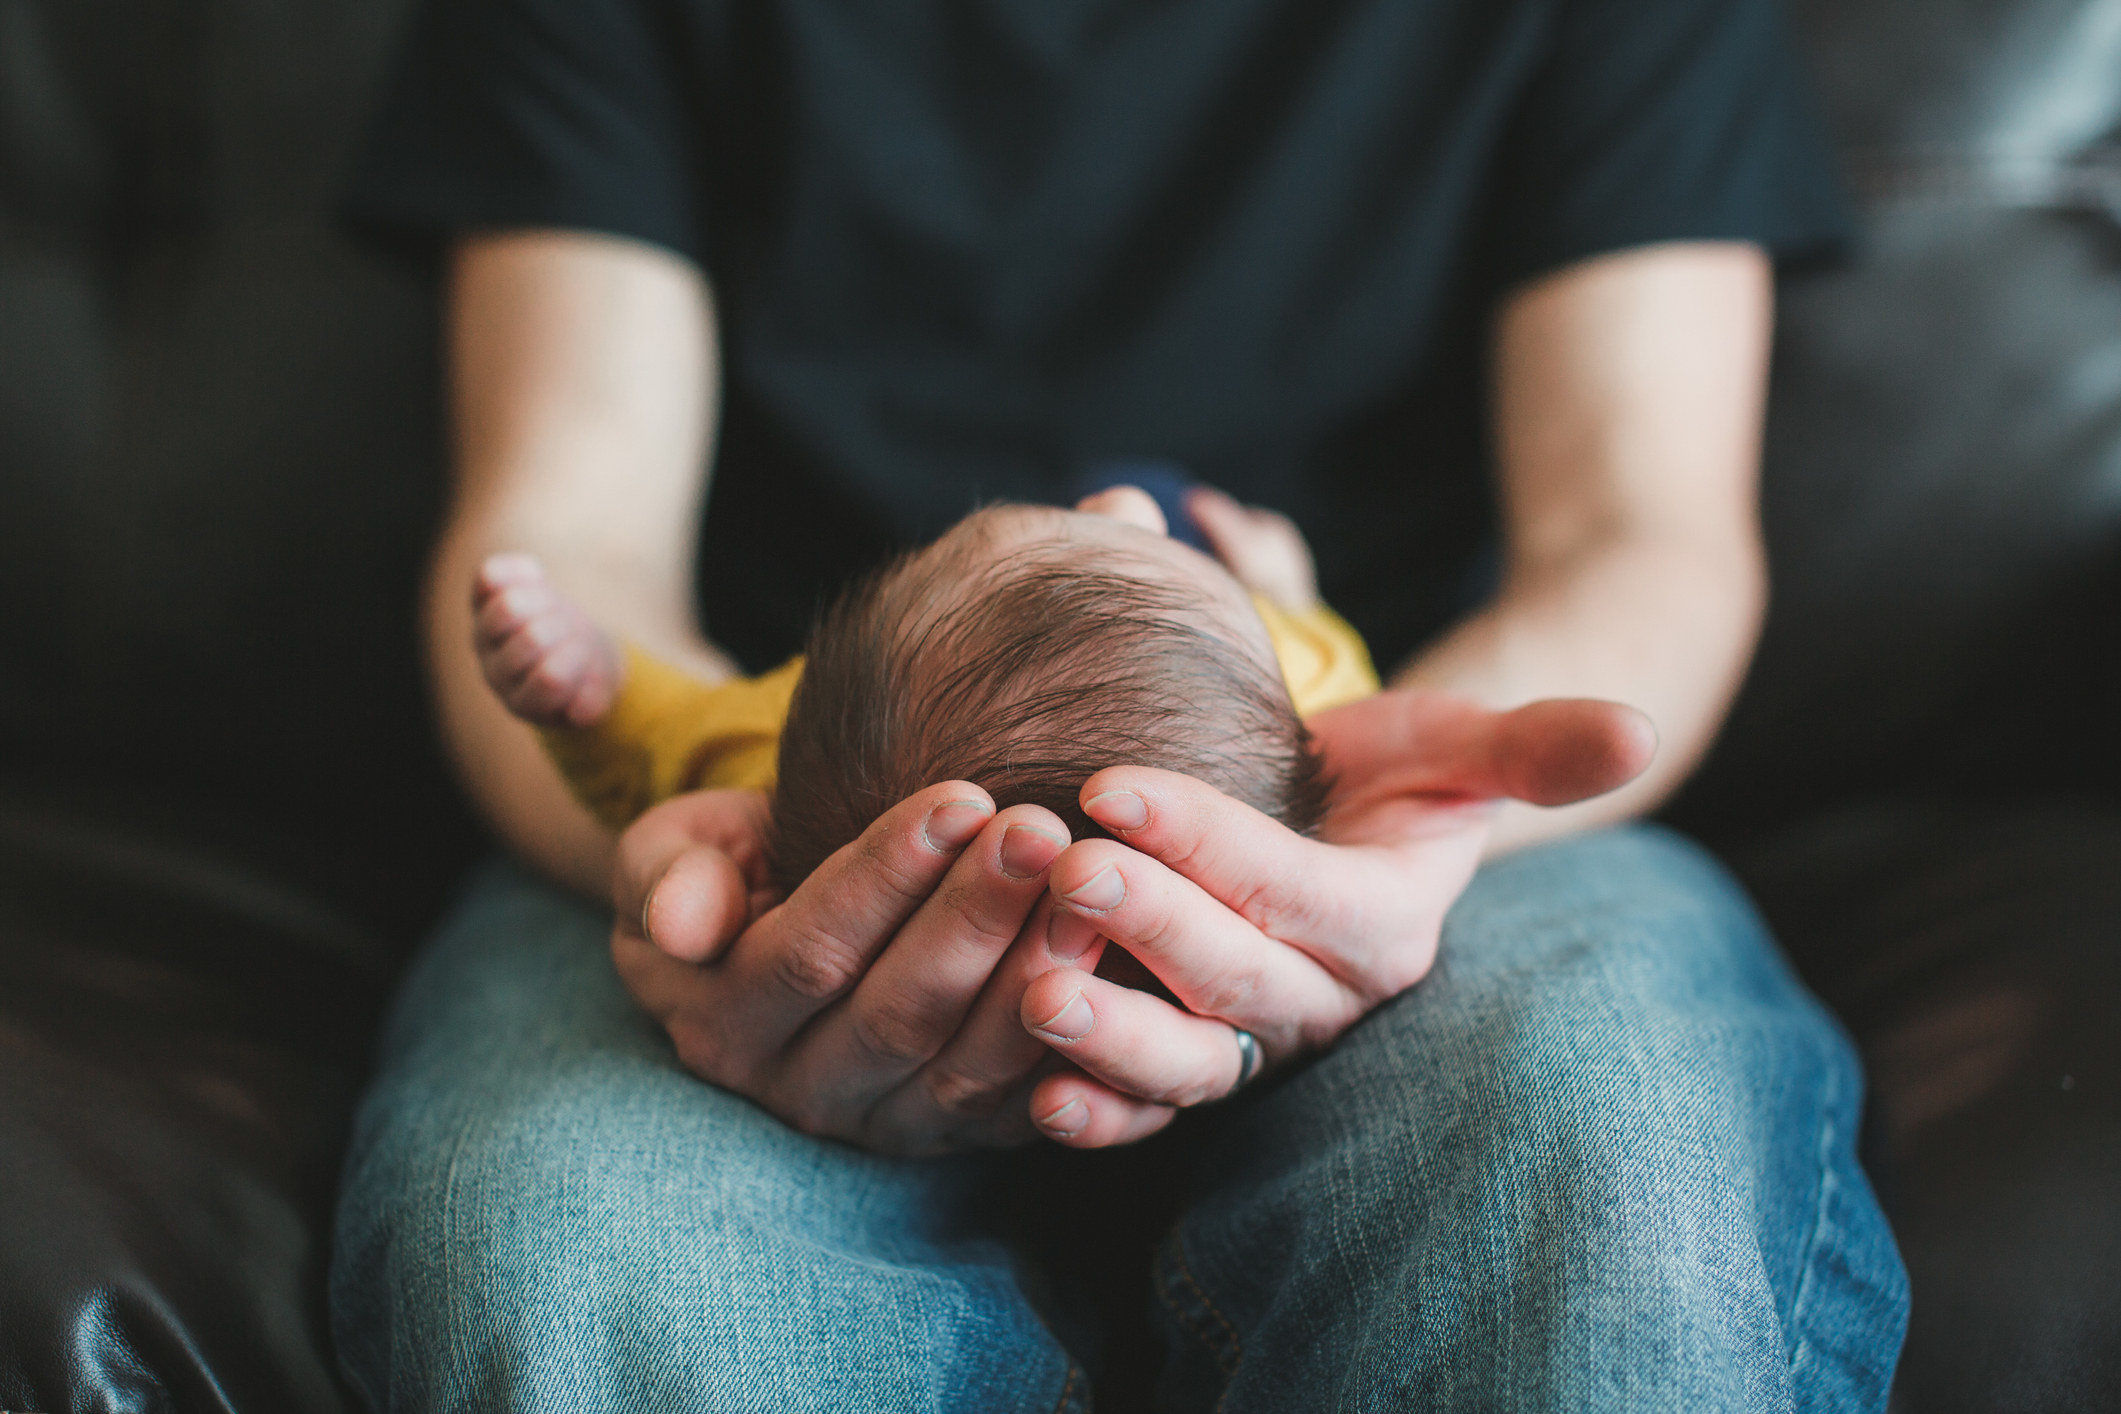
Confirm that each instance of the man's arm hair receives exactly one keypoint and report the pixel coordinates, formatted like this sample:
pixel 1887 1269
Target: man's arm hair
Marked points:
pixel 582 374
pixel 1629 396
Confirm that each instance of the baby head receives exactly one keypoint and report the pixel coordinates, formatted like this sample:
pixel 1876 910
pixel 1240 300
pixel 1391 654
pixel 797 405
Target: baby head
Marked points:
pixel 1024 651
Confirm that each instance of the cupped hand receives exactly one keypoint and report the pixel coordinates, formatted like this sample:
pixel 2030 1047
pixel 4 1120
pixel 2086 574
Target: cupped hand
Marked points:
pixel 878 1003
pixel 1292 939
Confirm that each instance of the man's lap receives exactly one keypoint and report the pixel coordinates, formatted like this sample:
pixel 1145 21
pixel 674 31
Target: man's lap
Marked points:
pixel 1613 1099
pixel 542 1210
pixel 1602 1155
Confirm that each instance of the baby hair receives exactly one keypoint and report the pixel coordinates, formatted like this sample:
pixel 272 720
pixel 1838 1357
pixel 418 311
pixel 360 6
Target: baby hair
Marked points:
pixel 1025 672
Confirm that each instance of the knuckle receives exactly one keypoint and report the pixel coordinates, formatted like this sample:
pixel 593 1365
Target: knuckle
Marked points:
pixel 1181 850
pixel 879 858
pixel 1280 907
pixel 1230 994
pixel 892 1034
pixel 815 967
pixel 973 907
pixel 960 1094
pixel 1268 910
pixel 1151 924
pixel 1200 1092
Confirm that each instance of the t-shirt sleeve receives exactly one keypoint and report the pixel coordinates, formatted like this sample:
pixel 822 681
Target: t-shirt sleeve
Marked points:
pixel 514 114
pixel 1665 120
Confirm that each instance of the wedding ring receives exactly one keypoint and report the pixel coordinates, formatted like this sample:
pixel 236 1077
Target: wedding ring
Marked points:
pixel 1247 1058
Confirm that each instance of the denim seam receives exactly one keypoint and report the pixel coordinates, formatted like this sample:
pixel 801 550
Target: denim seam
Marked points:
pixel 1229 1350
pixel 1815 1240
pixel 1067 1391
pixel 449 1240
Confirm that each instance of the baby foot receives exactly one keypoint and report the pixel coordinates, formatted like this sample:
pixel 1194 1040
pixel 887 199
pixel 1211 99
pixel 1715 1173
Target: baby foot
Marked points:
pixel 542 655
pixel 1262 549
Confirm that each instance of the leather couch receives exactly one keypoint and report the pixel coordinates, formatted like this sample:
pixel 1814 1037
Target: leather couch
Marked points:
pixel 223 822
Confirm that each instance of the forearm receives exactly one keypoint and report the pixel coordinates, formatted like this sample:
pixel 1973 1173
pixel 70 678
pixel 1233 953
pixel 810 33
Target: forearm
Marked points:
pixel 581 377
pixel 1667 628
pixel 1628 407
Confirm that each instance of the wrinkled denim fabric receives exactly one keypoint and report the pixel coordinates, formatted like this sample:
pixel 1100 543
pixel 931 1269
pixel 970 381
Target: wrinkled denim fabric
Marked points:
pixel 1603 1158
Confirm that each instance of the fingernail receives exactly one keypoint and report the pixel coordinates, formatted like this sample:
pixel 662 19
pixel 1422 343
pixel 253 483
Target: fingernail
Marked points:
pixel 1072 1022
pixel 1026 852
pixel 1104 891
pixel 648 909
pixel 1067 1121
pixel 1068 937
pixel 952 824
pixel 1120 810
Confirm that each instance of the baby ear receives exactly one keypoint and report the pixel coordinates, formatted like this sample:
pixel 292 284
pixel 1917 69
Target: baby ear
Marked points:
pixel 1130 504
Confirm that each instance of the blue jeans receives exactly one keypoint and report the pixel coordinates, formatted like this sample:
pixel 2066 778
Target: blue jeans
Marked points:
pixel 1603 1158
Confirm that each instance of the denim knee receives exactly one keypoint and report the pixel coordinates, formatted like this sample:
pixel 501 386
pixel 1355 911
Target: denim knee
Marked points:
pixel 541 1210
pixel 1603 1157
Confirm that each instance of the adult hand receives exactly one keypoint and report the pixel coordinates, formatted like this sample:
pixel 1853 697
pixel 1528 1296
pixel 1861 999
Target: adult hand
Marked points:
pixel 1254 927
pixel 878 1003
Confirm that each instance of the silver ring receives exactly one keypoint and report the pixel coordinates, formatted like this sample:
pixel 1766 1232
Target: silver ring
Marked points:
pixel 1247 1057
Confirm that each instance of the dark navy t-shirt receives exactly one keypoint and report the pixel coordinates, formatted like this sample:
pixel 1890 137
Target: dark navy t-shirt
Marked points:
pixel 964 248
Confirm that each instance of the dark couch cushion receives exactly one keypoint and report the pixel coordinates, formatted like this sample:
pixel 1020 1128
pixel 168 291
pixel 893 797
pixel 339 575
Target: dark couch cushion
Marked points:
pixel 222 441
pixel 1943 471
pixel 180 1045
pixel 1971 953
pixel 222 817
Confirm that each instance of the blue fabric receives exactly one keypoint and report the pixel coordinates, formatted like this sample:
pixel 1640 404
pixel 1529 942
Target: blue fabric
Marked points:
pixel 1166 482
pixel 1602 1159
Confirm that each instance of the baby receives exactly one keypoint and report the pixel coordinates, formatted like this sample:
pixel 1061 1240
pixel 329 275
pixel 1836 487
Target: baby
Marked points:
pixel 1024 650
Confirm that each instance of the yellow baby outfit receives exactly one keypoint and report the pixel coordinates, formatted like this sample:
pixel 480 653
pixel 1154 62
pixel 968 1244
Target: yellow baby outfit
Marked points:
pixel 669 733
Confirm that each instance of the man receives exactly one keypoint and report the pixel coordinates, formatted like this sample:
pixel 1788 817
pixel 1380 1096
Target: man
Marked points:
pixel 1359 261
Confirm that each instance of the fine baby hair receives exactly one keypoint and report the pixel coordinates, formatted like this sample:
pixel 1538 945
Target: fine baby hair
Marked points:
pixel 1025 669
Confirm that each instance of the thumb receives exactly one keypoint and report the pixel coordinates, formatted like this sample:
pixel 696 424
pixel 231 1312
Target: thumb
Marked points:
pixel 1416 741
pixel 1569 749
pixel 685 873
pixel 700 903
